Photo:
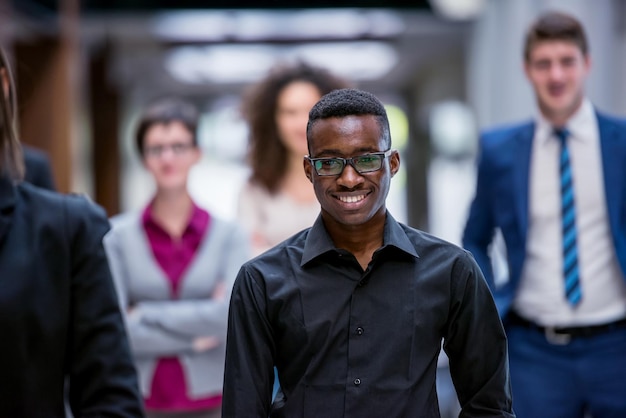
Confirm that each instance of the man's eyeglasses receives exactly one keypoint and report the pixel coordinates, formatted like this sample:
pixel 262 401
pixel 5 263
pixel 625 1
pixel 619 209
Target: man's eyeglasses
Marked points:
pixel 178 148
pixel 362 163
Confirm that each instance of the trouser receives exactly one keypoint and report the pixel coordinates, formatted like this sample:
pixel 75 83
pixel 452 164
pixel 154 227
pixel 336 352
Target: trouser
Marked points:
pixel 575 379
pixel 213 413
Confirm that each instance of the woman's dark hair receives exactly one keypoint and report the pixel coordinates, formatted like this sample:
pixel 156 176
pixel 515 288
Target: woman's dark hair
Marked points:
pixel 267 153
pixel 11 160
pixel 555 26
pixel 165 111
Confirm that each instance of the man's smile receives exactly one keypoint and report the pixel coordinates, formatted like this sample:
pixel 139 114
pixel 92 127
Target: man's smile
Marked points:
pixel 352 198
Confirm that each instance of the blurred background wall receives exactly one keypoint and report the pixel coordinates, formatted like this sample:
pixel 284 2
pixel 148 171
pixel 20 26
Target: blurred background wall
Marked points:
pixel 445 68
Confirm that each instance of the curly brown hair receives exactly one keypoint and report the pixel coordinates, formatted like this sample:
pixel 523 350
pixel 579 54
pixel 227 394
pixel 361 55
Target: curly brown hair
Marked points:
pixel 267 153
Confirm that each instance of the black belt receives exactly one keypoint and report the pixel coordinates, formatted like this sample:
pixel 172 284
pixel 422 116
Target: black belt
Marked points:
pixel 562 335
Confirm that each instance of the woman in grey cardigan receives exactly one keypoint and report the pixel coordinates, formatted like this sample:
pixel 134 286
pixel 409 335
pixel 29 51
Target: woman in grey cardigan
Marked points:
pixel 174 265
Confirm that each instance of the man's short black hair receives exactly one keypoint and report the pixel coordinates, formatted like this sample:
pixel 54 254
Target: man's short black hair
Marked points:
pixel 350 102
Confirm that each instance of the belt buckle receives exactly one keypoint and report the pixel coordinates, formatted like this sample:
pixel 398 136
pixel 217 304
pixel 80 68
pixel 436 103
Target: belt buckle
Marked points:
pixel 555 338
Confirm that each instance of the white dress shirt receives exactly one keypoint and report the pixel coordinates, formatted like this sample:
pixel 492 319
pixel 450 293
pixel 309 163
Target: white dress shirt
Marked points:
pixel 541 296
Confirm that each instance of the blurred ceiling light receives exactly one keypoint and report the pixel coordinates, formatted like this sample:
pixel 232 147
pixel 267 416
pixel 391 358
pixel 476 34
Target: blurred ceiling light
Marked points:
pixel 247 25
pixel 458 9
pixel 453 130
pixel 193 25
pixel 219 64
pixel 353 60
pixel 385 23
pixel 247 63
pixel 308 24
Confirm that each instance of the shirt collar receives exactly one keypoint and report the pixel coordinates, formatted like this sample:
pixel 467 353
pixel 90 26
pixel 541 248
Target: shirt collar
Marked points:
pixel 577 125
pixel 318 242
pixel 197 222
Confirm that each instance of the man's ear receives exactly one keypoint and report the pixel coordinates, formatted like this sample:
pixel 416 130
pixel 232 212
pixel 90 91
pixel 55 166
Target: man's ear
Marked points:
pixel 394 162
pixel 307 169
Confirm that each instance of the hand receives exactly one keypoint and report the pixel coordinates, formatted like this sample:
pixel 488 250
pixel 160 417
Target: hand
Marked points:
pixel 202 344
pixel 219 293
pixel 132 313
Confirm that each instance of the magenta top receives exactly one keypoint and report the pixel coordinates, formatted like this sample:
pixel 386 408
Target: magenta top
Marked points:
pixel 169 390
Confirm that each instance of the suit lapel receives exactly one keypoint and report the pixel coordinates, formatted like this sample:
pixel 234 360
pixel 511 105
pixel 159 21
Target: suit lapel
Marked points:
pixel 613 149
pixel 521 173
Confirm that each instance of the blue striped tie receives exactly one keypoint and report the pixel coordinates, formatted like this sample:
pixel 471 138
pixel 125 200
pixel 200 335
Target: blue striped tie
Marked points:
pixel 568 221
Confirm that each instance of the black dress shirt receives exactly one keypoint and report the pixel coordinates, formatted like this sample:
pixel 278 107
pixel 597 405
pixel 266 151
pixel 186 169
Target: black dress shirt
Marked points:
pixel 354 343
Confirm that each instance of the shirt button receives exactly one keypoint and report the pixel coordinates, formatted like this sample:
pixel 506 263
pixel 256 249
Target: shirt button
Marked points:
pixel 357 382
pixel 359 331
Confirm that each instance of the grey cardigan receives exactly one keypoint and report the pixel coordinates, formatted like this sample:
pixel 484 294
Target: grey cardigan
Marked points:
pixel 159 326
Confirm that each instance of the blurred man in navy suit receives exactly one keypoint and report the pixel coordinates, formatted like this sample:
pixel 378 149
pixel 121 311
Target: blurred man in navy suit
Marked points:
pixel 555 187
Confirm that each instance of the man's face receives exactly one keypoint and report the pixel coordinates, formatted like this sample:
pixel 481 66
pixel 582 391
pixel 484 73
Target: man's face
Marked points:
pixel 350 198
pixel 557 70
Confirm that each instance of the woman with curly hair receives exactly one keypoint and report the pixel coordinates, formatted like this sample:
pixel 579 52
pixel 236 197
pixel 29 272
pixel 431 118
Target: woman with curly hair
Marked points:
pixel 278 200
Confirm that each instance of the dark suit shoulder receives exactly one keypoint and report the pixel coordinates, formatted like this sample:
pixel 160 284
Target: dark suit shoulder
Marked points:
pixel 502 134
pixel 56 209
pixel 610 119
pixel 38 170
pixel 34 155
pixel 38 199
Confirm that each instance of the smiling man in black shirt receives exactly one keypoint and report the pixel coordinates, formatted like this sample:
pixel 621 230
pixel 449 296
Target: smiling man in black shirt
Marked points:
pixel 353 310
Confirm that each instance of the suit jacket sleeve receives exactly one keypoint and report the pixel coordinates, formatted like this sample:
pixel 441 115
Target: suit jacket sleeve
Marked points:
pixel 103 380
pixel 480 227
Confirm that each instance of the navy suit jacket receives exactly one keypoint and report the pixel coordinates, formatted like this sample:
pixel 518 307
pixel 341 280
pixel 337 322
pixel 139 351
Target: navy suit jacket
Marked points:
pixel 501 199
pixel 38 171
pixel 59 313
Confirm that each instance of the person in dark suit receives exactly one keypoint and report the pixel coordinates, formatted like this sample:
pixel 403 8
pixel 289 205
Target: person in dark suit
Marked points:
pixel 37 169
pixel 59 313
pixel 556 189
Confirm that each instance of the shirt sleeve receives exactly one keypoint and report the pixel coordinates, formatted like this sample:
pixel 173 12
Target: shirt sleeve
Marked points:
pixel 102 376
pixel 476 345
pixel 250 348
